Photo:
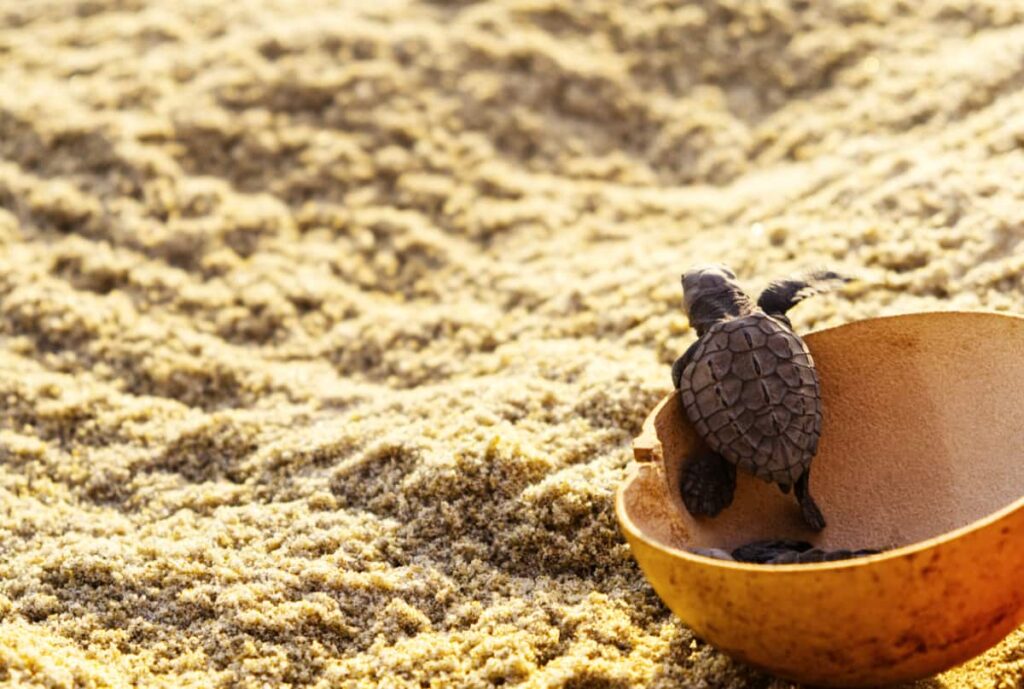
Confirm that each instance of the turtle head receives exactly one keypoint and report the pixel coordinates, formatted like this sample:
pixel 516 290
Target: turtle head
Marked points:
pixel 711 294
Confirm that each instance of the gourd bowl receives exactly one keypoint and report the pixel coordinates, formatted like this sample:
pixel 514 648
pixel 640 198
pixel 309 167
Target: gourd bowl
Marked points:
pixel 921 453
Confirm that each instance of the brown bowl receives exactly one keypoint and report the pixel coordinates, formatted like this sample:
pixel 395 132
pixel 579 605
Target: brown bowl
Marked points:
pixel 922 452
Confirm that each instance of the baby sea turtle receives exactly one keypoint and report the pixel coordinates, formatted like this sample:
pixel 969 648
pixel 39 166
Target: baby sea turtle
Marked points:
pixel 783 552
pixel 750 389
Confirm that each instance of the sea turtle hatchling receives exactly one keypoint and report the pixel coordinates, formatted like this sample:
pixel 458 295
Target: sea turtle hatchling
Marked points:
pixel 750 389
pixel 783 551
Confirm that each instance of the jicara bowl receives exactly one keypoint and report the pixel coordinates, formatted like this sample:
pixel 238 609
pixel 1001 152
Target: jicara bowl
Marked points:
pixel 922 453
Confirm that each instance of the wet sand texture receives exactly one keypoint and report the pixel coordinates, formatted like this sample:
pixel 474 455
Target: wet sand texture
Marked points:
pixel 324 327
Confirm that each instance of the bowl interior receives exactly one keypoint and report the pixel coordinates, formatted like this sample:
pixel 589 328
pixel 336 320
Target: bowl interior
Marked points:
pixel 923 433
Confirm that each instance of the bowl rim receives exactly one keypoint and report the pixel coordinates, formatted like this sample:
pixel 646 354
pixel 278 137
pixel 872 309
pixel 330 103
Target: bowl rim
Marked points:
pixel 627 523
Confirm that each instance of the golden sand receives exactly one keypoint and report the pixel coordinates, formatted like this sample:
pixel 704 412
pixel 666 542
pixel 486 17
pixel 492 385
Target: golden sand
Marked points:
pixel 324 327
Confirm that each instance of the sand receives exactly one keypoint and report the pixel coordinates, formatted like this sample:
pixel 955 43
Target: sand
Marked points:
pixel 325 327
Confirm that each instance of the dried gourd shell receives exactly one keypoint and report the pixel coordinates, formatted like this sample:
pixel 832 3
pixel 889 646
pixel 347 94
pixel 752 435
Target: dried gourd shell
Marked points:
pixel 922 452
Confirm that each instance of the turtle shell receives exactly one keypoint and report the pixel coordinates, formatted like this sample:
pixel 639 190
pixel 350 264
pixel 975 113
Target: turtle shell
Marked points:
pixel 752 393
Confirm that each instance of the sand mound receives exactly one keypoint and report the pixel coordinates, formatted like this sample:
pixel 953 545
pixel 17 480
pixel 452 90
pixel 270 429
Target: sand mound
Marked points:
pixel 323 332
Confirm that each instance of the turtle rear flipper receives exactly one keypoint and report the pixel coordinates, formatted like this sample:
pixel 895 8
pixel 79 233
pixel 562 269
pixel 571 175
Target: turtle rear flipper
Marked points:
pixel 812 515
pixel 709 483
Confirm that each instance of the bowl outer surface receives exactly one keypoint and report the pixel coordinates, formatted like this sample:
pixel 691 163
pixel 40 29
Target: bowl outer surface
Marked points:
pixel 901 615
pixel 867 624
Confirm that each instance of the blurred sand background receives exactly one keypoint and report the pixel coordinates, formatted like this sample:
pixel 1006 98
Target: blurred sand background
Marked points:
pixel 324 327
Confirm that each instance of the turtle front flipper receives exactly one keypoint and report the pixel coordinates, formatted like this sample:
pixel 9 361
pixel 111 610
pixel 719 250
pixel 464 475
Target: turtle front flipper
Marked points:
pixel 680 364
pixel 812 515
pixel 709 483
pixel 782 295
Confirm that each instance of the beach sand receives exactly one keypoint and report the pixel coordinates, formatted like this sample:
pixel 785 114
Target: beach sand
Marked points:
pixel 325 327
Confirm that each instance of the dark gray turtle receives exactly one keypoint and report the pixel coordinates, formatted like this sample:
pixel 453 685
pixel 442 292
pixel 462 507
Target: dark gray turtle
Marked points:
pixel 750 389
pixel 783 552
